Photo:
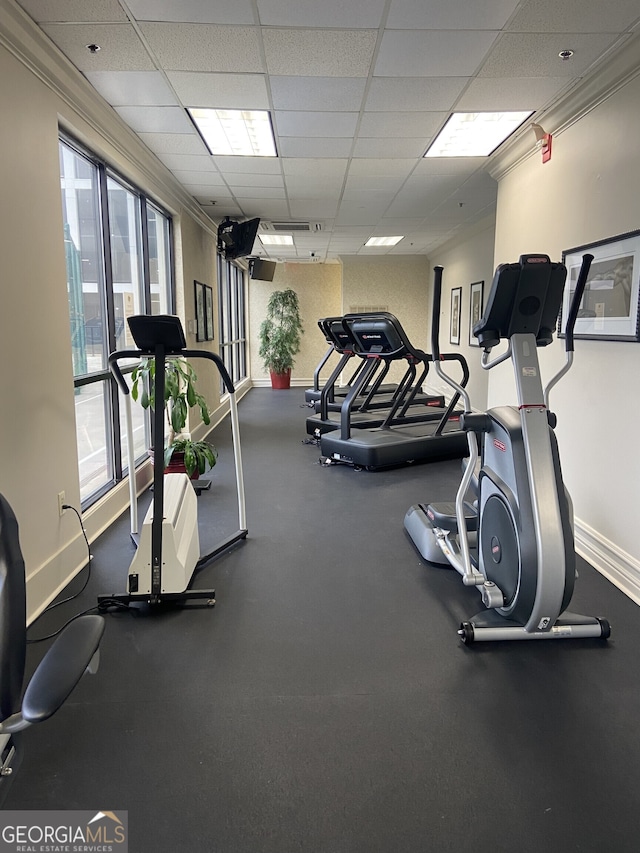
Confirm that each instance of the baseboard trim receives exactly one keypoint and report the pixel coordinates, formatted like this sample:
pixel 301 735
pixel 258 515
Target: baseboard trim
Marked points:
pixel 295 383
pixel 616 565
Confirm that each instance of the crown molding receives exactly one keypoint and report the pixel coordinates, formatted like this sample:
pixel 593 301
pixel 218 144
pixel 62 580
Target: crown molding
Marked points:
pixel 24 40
pixel 592 90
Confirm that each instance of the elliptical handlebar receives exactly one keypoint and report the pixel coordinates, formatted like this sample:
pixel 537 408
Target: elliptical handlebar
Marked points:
pixel 577 299
pixel 459 389
pixel 437 302
pixel 572 316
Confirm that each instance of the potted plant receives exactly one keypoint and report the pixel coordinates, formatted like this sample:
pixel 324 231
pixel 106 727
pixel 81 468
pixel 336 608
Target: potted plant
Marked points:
pixel 181 452
pixel 280 336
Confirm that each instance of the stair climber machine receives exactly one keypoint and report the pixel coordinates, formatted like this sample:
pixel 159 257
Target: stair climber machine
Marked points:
pixel 515 542
pixel 168 547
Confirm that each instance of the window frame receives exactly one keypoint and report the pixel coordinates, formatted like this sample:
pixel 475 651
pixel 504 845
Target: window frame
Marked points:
pixel 104 172
pixel 232 319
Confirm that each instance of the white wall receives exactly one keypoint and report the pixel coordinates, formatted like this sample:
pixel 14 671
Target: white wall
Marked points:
pixel 589 191
pixel 466 260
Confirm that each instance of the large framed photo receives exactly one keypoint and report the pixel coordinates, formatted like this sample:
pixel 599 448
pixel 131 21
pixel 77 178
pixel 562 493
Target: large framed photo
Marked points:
pixel 454 329
pixel 611 303
pixel 476 307
pixel 201 328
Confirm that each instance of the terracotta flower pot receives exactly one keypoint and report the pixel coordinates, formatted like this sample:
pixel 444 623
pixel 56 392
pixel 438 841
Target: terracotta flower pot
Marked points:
pixel 281 380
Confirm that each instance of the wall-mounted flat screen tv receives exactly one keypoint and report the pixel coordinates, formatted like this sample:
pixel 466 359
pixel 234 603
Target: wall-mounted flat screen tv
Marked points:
pixel 262 269
pixel 236 239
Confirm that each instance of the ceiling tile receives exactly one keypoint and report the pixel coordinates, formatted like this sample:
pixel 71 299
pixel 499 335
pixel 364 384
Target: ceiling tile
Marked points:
pixel 391 148
pixel 190 162
pixel 130 88
pixel 536 54
pixel 248 165
pixel 389 225
pixel 313 209
pixel 240 179
pixel 374 167
pixel 227 207
pixel 155 119
pixel 575 16
pixel 372 200
pixel 394 124
pixel 386 183
pixel 460 166
pixel 321 93
pixel 174 143
pixel 193 11
pixel 414 94
pixel 121 49
pixel 450 14
pixel 424 53
pixel 265 208
pixel 357 216
pixel 310 146
pixel 74 10
pixel 510 93
pixel 316 168
pixel 330 13
pixel 326 124
pixel 252 192
pixel 209 192
pixel 308 188
pixel 204 47
pixel 222 91
pixel 319 53
pixel 191 177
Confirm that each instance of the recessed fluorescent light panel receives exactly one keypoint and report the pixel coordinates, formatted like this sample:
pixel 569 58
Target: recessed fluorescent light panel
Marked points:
pixel 276 239
pixel 383 241
pixel 244 133
pixel 475 134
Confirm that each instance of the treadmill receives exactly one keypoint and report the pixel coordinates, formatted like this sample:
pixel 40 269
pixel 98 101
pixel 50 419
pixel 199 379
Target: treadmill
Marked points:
pixel 381 337
pixel 371 408
pixel 373 393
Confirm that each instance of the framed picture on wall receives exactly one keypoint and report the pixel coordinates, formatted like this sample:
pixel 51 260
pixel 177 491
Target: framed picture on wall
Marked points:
pixel 201 328
pixel 208 311
pixel 476 307
pixel 610 307
pixel 454 328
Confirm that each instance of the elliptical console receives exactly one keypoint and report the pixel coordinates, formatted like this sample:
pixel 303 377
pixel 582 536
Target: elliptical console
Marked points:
pixel 515 542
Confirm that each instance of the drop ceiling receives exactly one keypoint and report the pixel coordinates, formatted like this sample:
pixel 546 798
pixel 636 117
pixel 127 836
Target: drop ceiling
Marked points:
pixel 356 90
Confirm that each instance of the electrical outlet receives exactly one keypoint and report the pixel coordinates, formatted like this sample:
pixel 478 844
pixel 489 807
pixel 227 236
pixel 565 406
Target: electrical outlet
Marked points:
pixel 61 503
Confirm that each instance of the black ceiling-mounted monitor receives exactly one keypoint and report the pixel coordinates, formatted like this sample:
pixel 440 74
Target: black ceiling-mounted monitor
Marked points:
pixel 261 269
pixel 236 239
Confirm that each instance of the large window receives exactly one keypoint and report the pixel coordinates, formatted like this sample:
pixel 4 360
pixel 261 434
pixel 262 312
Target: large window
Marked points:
pixel 117 246
pixel 232 322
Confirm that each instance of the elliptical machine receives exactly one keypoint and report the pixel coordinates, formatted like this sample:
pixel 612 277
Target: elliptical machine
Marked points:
pixel 515 542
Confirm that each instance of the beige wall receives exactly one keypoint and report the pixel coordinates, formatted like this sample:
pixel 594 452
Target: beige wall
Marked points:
pixel 38 456
pixel 587 192
pixel 319 291
pixel 399 283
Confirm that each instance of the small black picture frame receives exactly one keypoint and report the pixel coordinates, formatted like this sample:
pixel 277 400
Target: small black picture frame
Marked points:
pixel 201 328
pixel 208 311
pixel 204 311
pixel 476 307
pixel 456 305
